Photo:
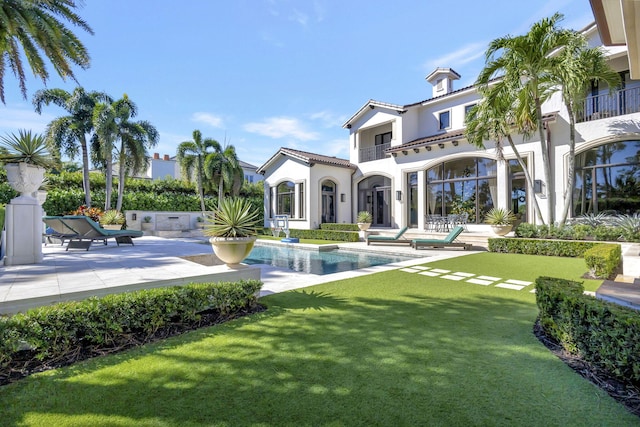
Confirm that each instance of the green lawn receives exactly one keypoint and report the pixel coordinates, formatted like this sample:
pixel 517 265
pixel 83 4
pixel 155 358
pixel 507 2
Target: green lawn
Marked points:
pixel 394 348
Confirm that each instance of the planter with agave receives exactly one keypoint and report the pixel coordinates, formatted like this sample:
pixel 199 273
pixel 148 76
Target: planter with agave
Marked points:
pixel 364 220
pixel 501 220
pixel 26 158
pixel 232 230
pixel 112 220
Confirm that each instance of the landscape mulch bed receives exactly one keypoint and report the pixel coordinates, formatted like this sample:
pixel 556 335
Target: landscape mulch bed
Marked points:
pixel 626 393
pixel 26 364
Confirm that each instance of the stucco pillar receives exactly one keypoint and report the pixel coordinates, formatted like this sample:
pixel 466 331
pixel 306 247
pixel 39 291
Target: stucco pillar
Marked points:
pixel 23 220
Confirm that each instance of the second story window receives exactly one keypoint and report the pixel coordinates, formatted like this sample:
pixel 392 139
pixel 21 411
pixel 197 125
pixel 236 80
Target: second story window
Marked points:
pixel 383 138
pixel 467 110
pixel 445 120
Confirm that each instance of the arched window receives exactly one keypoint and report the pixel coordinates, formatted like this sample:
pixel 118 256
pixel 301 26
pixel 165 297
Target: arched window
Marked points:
pixel 286 199
pixel 374 196
pixel 608 179
pixel 328 191
pixel 461 186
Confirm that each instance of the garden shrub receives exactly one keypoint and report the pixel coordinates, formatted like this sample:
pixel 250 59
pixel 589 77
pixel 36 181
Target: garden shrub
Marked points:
pixel 603 259
pixel 65 330
pixel 339 227
pixel 526 230
pixel 606 233
pixel 566 248
pixel 602 333
pixel 341 236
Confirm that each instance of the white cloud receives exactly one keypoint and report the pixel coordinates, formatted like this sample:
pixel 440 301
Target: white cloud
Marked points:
pixel 299 17
pixel 328 118
pixel 281 127
pixel 209 119
pixel 464 55
pixel 14 118
pixel 337 148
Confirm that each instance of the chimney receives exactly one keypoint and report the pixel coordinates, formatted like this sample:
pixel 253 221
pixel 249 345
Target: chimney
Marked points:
pixel 166 157
pixel 442 80
pixel 156 156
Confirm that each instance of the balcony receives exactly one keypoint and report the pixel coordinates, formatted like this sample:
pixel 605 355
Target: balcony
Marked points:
pixel 369 154
pixel 622 102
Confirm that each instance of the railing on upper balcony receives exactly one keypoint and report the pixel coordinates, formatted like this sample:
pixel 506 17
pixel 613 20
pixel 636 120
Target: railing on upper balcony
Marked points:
pixel 373 153
pixel 622 102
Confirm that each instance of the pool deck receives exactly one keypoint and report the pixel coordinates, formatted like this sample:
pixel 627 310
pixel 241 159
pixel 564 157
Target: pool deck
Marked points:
pixel 156 262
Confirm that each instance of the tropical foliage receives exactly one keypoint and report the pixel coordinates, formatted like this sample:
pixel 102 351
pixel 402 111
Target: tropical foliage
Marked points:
pixel 26 148
pixel 234 218
pixel 69 133
pixel 35 27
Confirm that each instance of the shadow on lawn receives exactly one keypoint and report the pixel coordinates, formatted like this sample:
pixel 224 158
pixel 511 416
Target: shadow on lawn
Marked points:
pixel 315 358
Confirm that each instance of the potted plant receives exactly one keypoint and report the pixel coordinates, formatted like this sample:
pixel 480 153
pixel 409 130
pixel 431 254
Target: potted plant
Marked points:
pixel 200 222
pixel 112 220
pixel 26 157
pixel 501 220
pixel 364 220
pixel 232 230
pixel 146 223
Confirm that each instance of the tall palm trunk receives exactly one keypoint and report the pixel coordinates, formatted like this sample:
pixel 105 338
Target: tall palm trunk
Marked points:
pixel 85 171
pixel 109 179
pixel 568 191
pixel 200 184
pixel 220 191
pixel 545 161
pixel 122 173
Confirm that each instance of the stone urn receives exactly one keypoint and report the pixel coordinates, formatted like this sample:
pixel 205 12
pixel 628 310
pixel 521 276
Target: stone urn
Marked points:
pixel 232 250
pixel 501 230
pixel 364 226
pixel 24 178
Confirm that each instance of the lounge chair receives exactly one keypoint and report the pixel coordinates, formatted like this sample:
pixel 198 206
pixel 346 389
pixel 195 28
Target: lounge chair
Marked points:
pixel 56 229
pixel 87 231
pixel 389 239
pixel 448 241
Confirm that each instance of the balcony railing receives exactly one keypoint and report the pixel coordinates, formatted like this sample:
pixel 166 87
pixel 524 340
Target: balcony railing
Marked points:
pixel 622 102
pixel 373 153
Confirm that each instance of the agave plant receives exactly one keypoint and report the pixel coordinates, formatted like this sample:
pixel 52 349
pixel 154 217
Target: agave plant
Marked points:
pixel 112 217
pixel 234 218
pixel 500 216
pixel 595 220
pixel 364 217
pixel 26 148
pixel 629 225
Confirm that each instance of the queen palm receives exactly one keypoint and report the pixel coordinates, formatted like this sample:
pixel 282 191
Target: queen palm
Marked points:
pixel 36 27
pixel 526 63
pixel 492 119
pixel 115 133
pixel 580 65
pixel 191 157
pixel 223 168
pixel 69 133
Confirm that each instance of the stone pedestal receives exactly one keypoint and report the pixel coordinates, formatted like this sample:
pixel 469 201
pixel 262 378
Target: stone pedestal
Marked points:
pixel 23 219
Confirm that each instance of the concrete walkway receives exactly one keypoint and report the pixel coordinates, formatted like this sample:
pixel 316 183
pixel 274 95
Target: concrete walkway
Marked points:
pixel 156 262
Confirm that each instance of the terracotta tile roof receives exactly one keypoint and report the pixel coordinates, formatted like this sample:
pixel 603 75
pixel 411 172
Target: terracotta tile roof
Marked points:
pixel 309 158
pixel 428 140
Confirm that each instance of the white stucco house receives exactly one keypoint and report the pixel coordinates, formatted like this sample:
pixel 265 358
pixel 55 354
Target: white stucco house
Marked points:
pixel 409 162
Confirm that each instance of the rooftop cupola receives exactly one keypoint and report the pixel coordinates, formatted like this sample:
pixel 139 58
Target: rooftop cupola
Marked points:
pixel 442 80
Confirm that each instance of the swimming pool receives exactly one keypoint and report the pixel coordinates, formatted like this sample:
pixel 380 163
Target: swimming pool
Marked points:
pixel 317 262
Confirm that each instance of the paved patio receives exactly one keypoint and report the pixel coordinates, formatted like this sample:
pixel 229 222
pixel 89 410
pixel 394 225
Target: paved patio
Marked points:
pixel 156 262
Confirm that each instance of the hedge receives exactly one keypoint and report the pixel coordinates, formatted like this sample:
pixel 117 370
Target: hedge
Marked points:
pixel 339 226
pixel 602 333
pixel 566 248
pixel 603 259
pixel 64 330
pixel 341 236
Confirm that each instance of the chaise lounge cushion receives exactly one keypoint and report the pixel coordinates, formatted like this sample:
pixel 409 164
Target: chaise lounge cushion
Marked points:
pixel 86 231
pixel 441 243
pixel 389 239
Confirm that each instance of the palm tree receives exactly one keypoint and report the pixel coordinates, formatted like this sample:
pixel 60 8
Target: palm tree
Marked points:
pixel 526 63
pixel 112 125
pixel 38 26
pixel 580 64
pixel 191 158
pixel 68 132
pixel 492 119
pixel 223 168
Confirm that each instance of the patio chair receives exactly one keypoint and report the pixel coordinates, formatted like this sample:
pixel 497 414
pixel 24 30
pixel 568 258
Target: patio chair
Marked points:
pixel 389 239
pixel 448 241
pixel 88 231
pixel 56 229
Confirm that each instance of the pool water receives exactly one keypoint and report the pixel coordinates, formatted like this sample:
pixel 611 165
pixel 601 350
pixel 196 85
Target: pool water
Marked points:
pixel 317 262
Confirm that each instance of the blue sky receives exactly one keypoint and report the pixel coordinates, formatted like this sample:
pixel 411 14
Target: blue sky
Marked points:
pixel 265 74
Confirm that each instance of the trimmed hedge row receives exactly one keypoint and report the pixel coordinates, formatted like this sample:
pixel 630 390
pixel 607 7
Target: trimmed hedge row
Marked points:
pixel 603 259
pixel 566 248
pixel 64 330
pixel 339 226
pixel 604 334
pixel 341 236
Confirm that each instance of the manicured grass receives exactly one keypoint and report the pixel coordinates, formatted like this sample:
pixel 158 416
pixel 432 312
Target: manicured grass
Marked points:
pixel 393 348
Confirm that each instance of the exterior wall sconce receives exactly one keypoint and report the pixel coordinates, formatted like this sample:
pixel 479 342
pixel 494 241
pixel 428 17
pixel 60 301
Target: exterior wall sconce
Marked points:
pixel 538 186
pixel 343 197
pixel 369 199
pixel 134 217
pixel 398 195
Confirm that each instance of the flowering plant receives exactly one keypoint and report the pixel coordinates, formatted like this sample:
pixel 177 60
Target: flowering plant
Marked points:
pixel 93 213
